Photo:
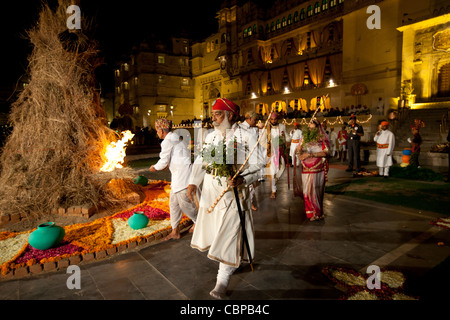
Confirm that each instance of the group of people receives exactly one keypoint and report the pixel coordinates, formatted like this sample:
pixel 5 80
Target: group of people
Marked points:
pixel 218 195
pixel 219 203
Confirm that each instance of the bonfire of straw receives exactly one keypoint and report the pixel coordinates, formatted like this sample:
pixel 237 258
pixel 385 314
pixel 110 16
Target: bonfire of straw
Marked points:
pixel 53 156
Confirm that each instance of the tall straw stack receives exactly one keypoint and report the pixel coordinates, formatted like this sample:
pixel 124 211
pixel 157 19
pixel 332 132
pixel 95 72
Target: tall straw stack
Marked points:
pixel 53 155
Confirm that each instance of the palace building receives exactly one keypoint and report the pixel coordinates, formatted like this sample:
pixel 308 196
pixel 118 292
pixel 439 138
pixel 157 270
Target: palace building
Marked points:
pixel 289 55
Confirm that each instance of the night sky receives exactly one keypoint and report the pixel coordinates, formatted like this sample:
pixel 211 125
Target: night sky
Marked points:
pixel 117 26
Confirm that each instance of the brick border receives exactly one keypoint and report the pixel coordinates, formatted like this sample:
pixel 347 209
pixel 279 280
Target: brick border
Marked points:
pixel 85 211
pixel 39 268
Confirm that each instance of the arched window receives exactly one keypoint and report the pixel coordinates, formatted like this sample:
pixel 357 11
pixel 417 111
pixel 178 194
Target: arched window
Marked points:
pixel 254 29
pixel 283 22
pixel 324 5
pixel 245 33
pixel 267 29
pixel 272 26
pixel 296 16
pixel 289 19
pixel 250 31
pixel 278 24
pixel 309 11
pixel 332 3
pixel 302 14
pixel 317 8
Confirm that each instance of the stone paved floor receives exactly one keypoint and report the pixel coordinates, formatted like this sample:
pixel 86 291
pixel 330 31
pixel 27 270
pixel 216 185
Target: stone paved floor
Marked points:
pixel 290 254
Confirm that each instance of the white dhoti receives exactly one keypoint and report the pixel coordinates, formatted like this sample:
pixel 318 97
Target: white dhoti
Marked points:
pixel 179 203
pixel 220 231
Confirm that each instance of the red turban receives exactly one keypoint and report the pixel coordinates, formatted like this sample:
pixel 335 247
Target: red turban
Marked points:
pixel 384 123
pixel 226 105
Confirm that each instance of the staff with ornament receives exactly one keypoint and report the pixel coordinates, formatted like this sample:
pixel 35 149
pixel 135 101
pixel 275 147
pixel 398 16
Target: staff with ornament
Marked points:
pixel 225 229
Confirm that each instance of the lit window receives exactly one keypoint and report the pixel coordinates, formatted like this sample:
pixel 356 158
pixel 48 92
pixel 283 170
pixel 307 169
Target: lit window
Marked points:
pixel 249 33
pixel 283 22
pixel 278 24
pixel 136 81
pixel 254 29
pixel 296 16
pixel 245 33
pixel 126 67
pixel 160 79
pixel 332 3
pixel 117 72
pixel 310 11
pixel 289 19
pixel 185 82
pixel 317 8
pixel 272 26
pixel 324 5
pixel 125 85
pixel 161 59
pixel 302 14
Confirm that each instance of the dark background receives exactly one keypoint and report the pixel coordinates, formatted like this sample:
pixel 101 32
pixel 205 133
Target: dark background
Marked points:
pixel 116 25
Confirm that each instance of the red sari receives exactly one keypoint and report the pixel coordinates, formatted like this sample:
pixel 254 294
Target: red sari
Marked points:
pixel 313 178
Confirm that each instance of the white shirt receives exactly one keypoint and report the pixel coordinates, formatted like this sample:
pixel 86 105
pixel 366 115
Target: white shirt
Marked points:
pixel 175 154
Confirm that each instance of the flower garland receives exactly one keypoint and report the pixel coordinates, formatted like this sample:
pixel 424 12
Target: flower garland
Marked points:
pixel 94 236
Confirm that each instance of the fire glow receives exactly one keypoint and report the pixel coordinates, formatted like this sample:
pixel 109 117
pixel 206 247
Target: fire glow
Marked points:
pixel 115 152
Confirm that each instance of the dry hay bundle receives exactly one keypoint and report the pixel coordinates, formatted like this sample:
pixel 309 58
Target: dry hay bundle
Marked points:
pixel 53 155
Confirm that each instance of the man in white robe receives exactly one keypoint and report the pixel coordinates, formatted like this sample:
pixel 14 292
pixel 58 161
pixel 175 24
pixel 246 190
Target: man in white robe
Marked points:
pixel 219 232
pixel 296 136
pixel 277 138
pixel 249 124
pixel 175 155
pixel 385 147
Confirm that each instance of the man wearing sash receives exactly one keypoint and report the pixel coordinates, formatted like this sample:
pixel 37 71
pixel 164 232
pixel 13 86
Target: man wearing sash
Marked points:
pixel 220 231
pixel 385 147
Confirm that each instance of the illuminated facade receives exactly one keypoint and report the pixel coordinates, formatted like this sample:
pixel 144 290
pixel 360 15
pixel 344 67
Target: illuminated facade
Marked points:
pixel 156 82
pixel 295 51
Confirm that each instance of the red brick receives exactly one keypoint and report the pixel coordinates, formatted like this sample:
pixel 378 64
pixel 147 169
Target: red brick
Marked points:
pixel 121 248
pixel 100 254
pixel 63 263
pixel 111 251
pixel 88 256
pixel 49 266
pixel 132 245
pixel 15 217
pixel 75 259
pixel 21 272
pixel 36 268
pixel 88 210
pixel 7 276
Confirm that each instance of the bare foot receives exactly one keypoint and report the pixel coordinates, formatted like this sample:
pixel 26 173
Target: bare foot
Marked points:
pixel 175 234
pixel 191 230
pixel 254 208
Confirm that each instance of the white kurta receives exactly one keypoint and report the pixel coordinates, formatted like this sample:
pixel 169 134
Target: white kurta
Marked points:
pixel 175 154
pixel 296 135
pixel 220 231
pixel 385 146
pixel 277 164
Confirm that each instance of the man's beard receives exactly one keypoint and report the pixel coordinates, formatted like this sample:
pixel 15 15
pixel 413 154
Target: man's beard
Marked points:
pixel 223 126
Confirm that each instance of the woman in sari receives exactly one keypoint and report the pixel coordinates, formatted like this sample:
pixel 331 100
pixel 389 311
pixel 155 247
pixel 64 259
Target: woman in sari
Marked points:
pixel 312 153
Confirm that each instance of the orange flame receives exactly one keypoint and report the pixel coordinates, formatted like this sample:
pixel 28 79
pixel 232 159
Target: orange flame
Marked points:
pixel 115 152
